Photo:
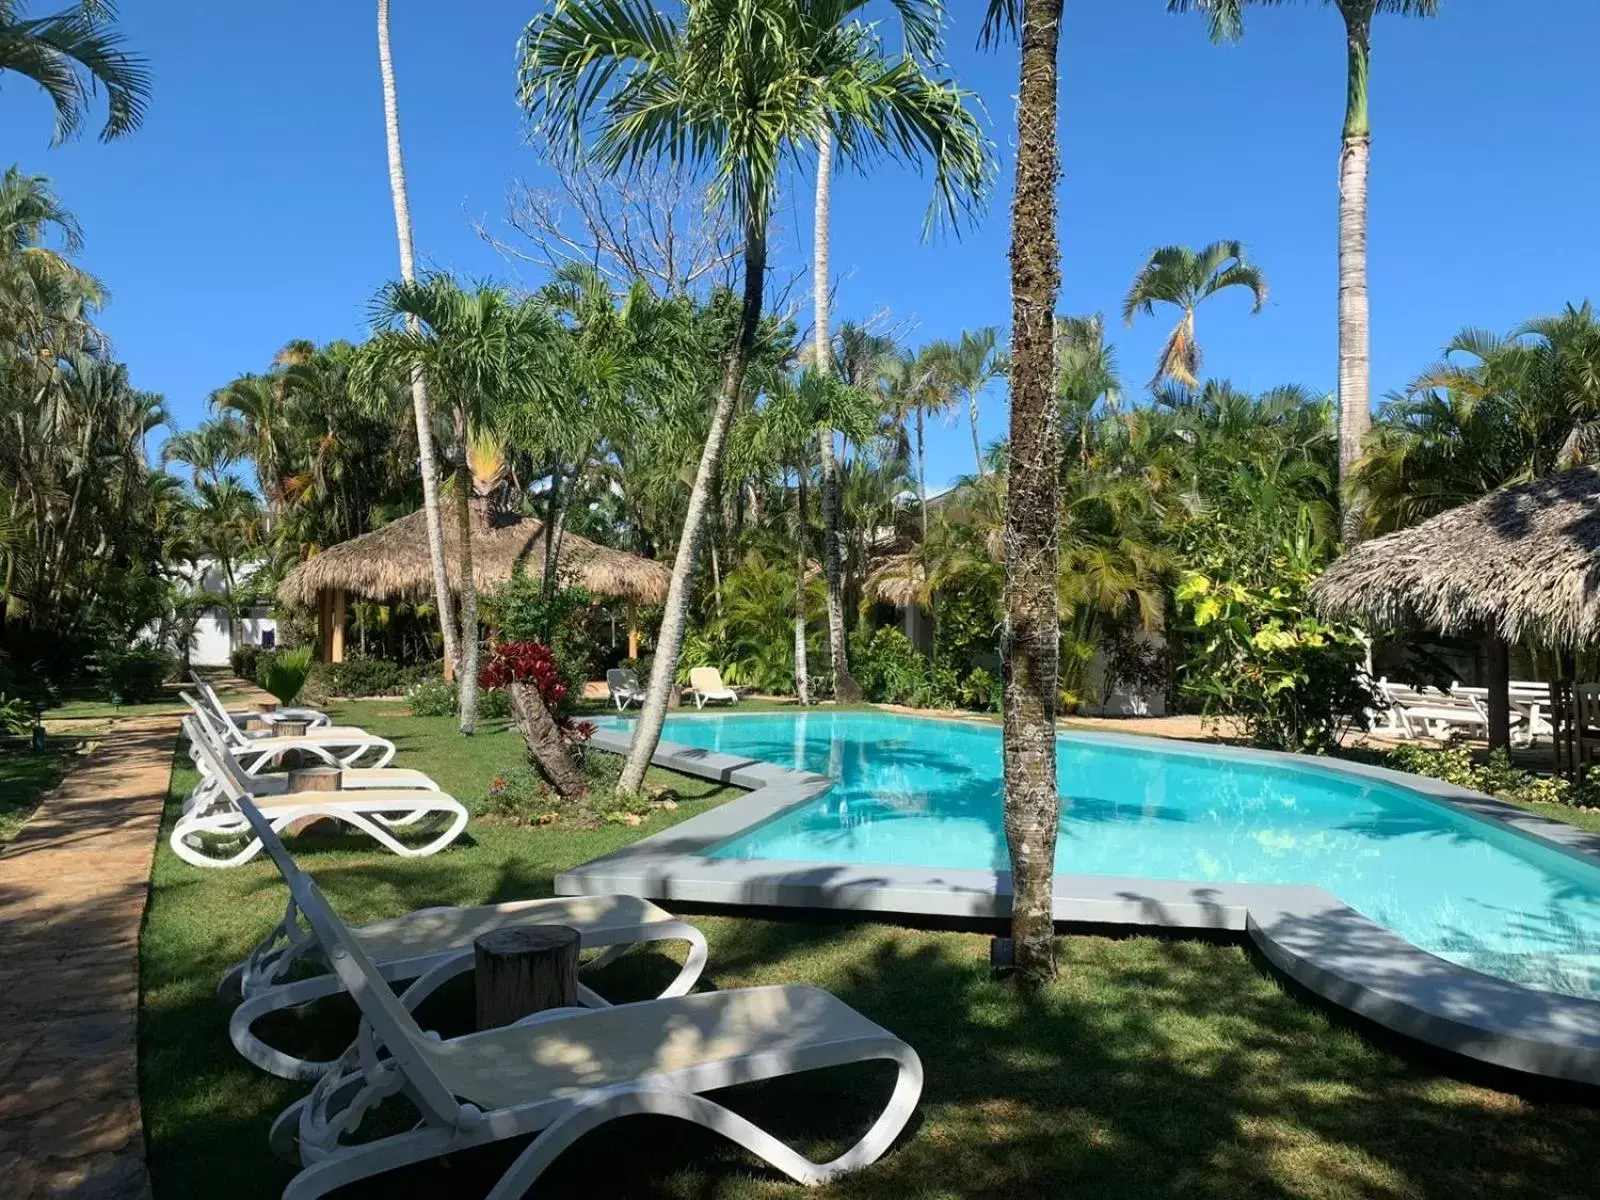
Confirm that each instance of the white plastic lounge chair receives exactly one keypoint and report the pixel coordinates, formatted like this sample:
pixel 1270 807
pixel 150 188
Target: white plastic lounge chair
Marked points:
pixel 705 685
pixel 564 1072
pixel 336 745
pixel 374 811
pixel 624 687
pixel 313 717
pixel 1414 712
pixel 431 946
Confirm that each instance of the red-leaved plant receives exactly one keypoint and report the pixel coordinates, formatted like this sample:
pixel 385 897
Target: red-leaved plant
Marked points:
pixel 533 663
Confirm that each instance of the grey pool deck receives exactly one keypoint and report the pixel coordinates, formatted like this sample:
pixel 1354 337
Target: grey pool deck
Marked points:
pixel 1306 932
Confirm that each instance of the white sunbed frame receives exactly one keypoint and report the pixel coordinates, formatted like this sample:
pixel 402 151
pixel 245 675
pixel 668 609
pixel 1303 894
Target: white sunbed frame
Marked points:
pixel 311 716
pixel 391 1054
pixel 336 746
pixel 375 811
pixel 705 694
pixel 624 694
pixel 1433 713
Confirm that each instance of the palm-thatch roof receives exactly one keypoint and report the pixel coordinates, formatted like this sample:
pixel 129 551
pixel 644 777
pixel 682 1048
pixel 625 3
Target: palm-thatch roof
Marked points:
pixel 392 563
pixel 1524 559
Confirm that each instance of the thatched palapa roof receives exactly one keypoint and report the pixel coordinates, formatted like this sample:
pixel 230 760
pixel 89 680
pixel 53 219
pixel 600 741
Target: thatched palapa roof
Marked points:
pixel 1524 559
pixel 392 563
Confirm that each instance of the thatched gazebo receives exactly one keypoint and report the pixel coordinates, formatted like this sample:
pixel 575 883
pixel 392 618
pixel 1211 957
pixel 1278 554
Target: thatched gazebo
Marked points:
pixel 1523 563
pixel 392 564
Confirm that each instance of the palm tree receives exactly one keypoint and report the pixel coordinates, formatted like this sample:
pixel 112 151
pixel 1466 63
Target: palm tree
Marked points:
pixel 1226 18
pixel 967 368
pixel 493 360
pixel 1183 277
pixel 725 89
pixel 422 413
pixel 844 47
pixel 72 54
pixel 1030 637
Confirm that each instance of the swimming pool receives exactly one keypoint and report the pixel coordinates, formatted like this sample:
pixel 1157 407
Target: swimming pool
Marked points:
pixel 925 792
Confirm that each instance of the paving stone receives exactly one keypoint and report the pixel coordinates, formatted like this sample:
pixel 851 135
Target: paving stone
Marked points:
pixel 73 887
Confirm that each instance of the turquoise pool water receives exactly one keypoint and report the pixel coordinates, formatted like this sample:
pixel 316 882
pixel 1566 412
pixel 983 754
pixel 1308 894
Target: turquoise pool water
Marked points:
pixel 918 792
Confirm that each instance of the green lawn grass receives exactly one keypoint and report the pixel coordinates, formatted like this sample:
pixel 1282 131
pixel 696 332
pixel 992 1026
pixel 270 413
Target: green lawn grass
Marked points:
pixel 1153 1067
pixel 24 777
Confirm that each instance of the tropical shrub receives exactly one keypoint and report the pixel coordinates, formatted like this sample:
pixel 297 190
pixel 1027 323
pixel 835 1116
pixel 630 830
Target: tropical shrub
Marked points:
pixel 980 691
pixel 887 666
pixel 521 796
pixel 435 697
pixel 535 663
pixel 360 677
pixel 1262 658
pixel 244 661
pixel 135 675
pixel 284 673
pixel 967 628
pixel 939 686
pixel 16 714
pixel 563 620
pixel 1497 776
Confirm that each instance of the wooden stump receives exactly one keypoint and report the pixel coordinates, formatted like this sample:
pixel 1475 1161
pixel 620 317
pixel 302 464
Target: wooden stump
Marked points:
pixel 290 728
pixel 255 721
pixel 524 970
pixel 313 779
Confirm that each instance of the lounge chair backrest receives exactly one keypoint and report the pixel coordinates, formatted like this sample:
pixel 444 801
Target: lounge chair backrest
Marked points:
pixel 621 681
pixel 707 679
pixel 390 1020
pixel 223 732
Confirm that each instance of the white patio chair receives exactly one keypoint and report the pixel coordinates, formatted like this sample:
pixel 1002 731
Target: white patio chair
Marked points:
pixel 375 811
pixel 336 745
pixel 238 716
pixel 623 685
pixel 431 946
pixel 564 1072
pixel 705 685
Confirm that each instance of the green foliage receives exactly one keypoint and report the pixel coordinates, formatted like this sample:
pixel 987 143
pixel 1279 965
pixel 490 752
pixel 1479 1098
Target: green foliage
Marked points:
pixel 564 620
pixel 358 677
pixel 1261 658
pixel 939 686
pixel 887 666
pixel 135 675
pixel 968 626
pixel 284 673
pixel 243 661
pixel 434 697
pixel 1496 776
pixel 16 714
pixel 522 797
pixel 980 691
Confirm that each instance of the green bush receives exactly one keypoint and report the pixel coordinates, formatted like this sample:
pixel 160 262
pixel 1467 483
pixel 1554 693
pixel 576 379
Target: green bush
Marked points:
pixel 284 672
pixel 521 796
pixel 980 691
pixel 563 620
pixel 494 704
pixel 887 666
pixel 1497 776
pixel 135 676
pixel 245 661
pixel 435 697
pixel 16 714
pixel 357 677
pixel 938 688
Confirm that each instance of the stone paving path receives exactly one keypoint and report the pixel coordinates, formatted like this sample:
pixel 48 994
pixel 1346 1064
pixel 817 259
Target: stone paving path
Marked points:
pixel 72 896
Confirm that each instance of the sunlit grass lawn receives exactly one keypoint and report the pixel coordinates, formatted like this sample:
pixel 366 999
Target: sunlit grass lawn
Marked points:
pixel 1152 1068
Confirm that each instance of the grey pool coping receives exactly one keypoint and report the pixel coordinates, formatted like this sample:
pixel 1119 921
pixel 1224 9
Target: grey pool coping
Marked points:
pixel 1306 932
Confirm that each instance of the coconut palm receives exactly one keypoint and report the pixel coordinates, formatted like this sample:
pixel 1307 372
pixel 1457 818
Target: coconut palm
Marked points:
pixel 492 360
pixel 966 368
pixel 1030 638
pixel 1226 20
pixel 733 87
pixel 422 413
pixel 844 47
pixel 1184 278
pixel 72 55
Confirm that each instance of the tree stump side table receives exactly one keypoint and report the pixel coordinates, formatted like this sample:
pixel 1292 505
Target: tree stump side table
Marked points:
pixel 524 970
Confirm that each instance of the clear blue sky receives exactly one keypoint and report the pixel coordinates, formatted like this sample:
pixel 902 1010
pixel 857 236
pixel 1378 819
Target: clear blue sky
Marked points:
pixel 253 207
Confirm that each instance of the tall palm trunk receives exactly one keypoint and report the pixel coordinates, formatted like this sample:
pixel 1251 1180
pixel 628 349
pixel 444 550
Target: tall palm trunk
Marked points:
pixel 972 417
pixel 845 690
pixel 1030 641
pixel 467 681
pixel 421 411
pixel 802 674
pixel 675 612
pixel 1355 377
pixel 552 511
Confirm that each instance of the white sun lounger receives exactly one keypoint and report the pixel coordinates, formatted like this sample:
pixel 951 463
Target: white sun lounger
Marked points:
pixel 705 685
pixel 336 745
pixel 431 946
pixel 374 810
pixel 623 687
pixel 564 1072
pixel 238 716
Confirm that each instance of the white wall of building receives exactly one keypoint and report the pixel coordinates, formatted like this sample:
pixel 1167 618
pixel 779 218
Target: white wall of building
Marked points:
pixel 210 645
